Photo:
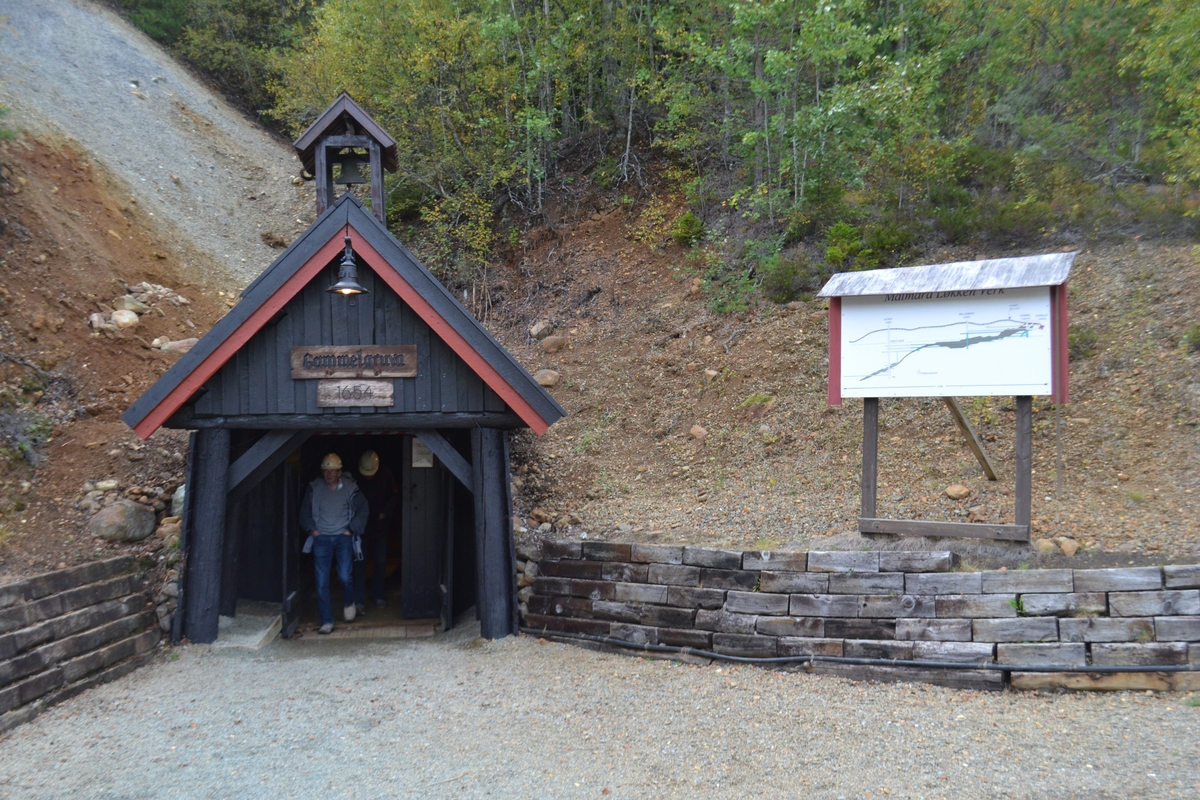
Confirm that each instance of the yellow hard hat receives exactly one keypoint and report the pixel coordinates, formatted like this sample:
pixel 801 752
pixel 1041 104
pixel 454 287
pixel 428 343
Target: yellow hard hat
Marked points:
pixel 331 461
pixel 368 464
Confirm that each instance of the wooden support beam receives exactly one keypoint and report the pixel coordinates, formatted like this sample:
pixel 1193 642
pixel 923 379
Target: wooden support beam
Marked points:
pixel 870 455
pixel 445 451
pixel 1023 507
pixel 973 442
pixel 972 530
pixel 185 536
pixel 322 174
pixel 347 140
pixel 390 422
pixel 263 456
pixel 494 558
pixel 206 549
pixel 377 202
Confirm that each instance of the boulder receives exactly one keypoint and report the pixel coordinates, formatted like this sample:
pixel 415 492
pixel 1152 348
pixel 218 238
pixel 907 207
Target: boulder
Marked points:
pixel 546 377
pixel 130 303
pixel 167 531
pixel 956 491
pixel 1044 547
pixel 124 319
pixel 177 502
pixel 180 346
pixel 541 329
pixel 552 344
pixel 123 521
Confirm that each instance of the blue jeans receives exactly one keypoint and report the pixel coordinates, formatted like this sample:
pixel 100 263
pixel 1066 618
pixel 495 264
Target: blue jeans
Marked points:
pixel 324 550
pixel 375 549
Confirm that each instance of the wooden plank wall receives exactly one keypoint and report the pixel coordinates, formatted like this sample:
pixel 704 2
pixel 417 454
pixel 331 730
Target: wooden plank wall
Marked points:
pixel 422 506
pixel 258 379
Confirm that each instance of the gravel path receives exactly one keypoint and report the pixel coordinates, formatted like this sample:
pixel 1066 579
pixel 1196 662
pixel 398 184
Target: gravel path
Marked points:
pixel 459 717
pixel 218 181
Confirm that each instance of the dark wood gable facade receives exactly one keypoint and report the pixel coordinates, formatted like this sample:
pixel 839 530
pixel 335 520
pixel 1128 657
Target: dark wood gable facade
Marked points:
pixel 261 427
pixel 443 384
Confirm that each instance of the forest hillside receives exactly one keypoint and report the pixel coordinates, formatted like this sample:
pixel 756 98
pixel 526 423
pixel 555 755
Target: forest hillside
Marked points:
pixel 665 188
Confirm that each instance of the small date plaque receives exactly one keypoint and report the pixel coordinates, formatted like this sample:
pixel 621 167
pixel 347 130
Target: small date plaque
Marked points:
pixel 351 392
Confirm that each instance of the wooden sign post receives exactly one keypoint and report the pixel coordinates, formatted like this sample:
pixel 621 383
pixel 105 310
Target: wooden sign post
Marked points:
pixel 980 328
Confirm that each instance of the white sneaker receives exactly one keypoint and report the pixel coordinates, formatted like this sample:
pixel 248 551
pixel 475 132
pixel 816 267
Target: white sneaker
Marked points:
pixel 349 612
pixel 326 628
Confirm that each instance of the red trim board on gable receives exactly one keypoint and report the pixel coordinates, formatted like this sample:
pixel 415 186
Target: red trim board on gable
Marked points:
pixel 234 342
pixel 282 296
pixel 449 335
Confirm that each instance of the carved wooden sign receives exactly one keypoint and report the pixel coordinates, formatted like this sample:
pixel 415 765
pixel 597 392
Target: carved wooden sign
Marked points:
pixel 352 392
pixel 366 361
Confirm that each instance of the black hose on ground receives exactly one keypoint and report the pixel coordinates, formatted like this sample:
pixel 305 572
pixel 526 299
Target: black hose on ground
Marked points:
pixel 868 662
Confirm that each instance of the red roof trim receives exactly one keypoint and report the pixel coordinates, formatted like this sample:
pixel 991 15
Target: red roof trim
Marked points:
pixel 234 342
pixel 282 296
pixel 449 335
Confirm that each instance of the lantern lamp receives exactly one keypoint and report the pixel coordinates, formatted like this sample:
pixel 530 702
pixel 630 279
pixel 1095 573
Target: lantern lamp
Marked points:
pixel 348 275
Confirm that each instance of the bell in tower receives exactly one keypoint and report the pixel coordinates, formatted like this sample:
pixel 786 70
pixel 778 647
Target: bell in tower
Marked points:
pixel 346 136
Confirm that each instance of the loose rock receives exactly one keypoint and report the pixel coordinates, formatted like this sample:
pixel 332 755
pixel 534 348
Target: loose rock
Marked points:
pixel 124 319
pixel 552 344
pixel 1044 547
pixel 956 491
pixel 123 521
pixel 698 432
pixel 180 346
pixel 546 377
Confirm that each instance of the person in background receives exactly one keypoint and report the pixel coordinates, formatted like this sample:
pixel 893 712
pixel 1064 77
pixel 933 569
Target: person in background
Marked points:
pixel 333 512
pixel 378 485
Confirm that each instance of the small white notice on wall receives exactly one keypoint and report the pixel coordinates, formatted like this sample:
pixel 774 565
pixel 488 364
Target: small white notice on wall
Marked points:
pixel 940 344
pixel 422 456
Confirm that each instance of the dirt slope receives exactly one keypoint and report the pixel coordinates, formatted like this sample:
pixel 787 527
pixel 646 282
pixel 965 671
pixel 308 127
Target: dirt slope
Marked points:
pixel 71 244
pixel 644 360
pixel 647 361
pixel 213 181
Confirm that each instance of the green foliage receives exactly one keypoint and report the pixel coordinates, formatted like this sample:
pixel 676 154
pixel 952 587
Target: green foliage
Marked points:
pixel 845 238
pixel 162 20
pixel 920 123
pixel 687 229
pixel 1191 339
pixel 788 277
pixel 6 134
pixel 1082 343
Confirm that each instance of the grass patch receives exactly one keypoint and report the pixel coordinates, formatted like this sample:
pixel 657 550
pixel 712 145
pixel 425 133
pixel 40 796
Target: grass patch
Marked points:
pixel 1191 339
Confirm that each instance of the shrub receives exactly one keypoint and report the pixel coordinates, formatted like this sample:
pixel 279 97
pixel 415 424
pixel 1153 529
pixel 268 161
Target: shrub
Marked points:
pixel 889 238
pixel 1191 339
pixel 788 277
pixel 605 173
pixel 1083 343
pixel 845 237
pixel 687 229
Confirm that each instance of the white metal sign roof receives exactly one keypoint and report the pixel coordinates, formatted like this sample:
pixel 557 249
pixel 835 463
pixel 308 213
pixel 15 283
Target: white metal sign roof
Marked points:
pixel 1051 269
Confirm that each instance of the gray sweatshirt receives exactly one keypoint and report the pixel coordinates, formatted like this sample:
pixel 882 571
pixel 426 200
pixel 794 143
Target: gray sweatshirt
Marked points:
pixel 331 510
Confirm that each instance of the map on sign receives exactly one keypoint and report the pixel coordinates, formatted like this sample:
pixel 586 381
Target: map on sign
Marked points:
pixel 956 343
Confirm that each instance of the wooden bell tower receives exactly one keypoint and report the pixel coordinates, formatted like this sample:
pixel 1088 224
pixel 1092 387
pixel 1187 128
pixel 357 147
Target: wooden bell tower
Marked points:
pixel 336 137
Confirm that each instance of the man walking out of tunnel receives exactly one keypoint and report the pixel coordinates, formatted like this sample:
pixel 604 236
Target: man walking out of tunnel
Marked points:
pixel 378 485
pixel 333 512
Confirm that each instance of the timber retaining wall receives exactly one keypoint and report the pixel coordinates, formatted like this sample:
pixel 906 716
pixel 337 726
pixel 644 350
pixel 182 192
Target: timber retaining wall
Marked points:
pixel 912 606
pixel 66 631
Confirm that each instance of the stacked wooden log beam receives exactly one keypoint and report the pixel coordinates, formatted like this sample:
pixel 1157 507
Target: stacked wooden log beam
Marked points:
pixel 65 631
pixel 877 605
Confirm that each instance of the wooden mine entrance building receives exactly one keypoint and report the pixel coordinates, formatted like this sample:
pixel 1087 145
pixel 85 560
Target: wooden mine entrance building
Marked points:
pixel 395 365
